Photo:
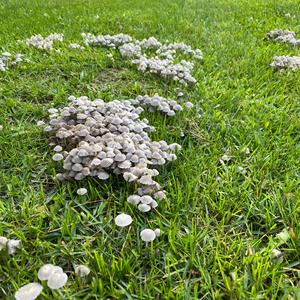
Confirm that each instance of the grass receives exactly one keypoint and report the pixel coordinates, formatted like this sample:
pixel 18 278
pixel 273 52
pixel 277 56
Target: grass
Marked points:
pixel 219 225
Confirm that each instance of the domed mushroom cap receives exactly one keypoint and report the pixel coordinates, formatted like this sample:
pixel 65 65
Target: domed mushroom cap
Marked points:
pixel 82 270
pixel 57 157
pixel 134 199
pixel 123 220
pixel 29 291
pixel 106 162
pixel 129 177
pixel 126 164
pixel 144 207
pixel 3 242
pixel 57 280
pixel 146 180
pixel 188 105
pixel 146 199
pixel 147 235
pixel 157 232
pixel 160 195
pixel 81 191
pixel 58 148
pixel 103 175
pixel 12 246
pixel 46 270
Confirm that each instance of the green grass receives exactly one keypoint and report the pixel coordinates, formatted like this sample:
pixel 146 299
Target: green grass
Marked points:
pixel 219 226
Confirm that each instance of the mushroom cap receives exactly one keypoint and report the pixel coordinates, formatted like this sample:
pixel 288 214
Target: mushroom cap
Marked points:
pixel 134 199
pixel 157 232
pixel 29 291
pixel 146 180
pixel 81 191
pixel 147 235
pixel 46 270
pixel 58 148
pixel 129 177
pixel 12 246
pixel 146 199
pixel 3 242
pixel 57 280
pixel 144 207
pixel 57 157
pixel 106 162
pixel 82 270
pixel 103 175
pixel 123 220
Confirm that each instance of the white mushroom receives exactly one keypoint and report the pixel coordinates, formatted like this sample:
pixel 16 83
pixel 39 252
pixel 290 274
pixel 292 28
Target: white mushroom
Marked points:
pixel 57 157
pixel 123 220
pixel 157 232
pixel 147 235
pixel 12 246
pixel 82 270
pixel 81 191
pixel 46 270
pixel 3 242
pixel 134 199
pixel 29 291
pixel 147 199
pixel 57 280
pixel 144 207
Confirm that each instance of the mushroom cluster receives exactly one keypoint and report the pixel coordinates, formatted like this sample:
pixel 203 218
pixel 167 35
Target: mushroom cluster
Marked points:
pixel 163 62
pixel 7 60
pixel 76 46
pixel 10 244
pixel 284 62
pixel 111 41
pixel 54 275
pixel 284 36
pixel 39 42
pixel 94 138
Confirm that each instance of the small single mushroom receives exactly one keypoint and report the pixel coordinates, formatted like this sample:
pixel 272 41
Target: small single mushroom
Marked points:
pixel 82 270
pixel 81 191
pixel 123 220
pixel 12 246
pixel 134 199
pixel 147 235
pixel 129 177
pixel 160 195
pixel 144 207
pixel 46 270
pixel 58 148
pixel 146 199
pixel 3 242
pixel 146 180
pixel 57 280
pixel 106 162
pixel 103 175
pixel 29 291
pixel 77 167
pixel 188 105
pixel 120 157
pixel 82 153
pixel 126 164
pixel 157 232
pixel 57 157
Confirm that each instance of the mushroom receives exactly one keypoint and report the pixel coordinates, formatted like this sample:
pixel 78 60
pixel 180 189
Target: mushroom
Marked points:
pixel 29 291
pixel 82 270
pixel 12 246
pixel 57 280
pixel 81 191
pixel 147 235
pixel 144 207
pixel 123 220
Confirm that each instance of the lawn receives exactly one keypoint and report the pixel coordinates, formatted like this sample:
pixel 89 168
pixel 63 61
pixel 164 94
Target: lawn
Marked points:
pixel 220 220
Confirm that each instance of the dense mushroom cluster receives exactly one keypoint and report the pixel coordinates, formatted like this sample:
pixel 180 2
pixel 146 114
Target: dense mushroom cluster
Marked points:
pixel 94 138
pixel 163 62
pixel 7 60
pixel 284 62
pixel 39 42
pixel 285 36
